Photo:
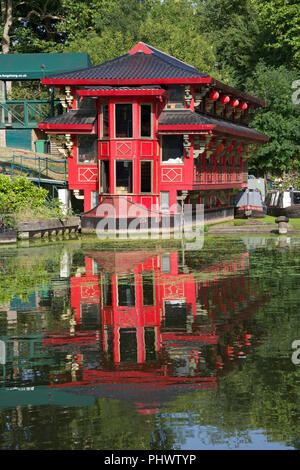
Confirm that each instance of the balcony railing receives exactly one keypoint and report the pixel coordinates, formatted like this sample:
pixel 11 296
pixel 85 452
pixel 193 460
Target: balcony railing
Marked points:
pixel 218 174
pixel 27 113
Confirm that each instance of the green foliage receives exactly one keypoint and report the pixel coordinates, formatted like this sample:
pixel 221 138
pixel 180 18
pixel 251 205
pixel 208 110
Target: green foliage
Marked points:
pixel 35 25
pixel 24 273
pixel 101 47
pixel 279 120
pixel 19 193
pixel 165 28
pixel 163 25
pixel 281 19
pixel 29 90
pixel 20 278
pixel 233 30
pixel 255 43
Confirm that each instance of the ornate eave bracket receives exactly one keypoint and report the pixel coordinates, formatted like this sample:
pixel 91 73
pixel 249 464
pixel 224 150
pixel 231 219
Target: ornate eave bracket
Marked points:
pixel 201 144
pixel 69 143
pixel 187 144
pixel 66 99
pixel 198 97
pixel 188 95
pixel 199 151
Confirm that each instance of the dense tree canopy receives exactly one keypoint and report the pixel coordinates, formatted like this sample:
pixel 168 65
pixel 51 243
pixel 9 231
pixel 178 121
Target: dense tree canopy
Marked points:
pixel 250 44
pixel 280 119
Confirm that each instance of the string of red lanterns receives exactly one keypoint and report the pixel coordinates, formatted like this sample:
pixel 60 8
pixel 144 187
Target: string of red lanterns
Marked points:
pixel 225 99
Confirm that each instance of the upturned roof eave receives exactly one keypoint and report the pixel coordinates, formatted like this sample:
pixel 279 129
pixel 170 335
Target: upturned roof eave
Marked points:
pixel 249 135
pixel 237 93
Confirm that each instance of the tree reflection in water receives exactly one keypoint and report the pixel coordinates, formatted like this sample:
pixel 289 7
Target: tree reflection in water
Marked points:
pixel 129 349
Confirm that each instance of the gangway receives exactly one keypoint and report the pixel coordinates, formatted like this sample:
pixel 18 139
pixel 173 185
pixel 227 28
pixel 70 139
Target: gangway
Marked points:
pixel 38 168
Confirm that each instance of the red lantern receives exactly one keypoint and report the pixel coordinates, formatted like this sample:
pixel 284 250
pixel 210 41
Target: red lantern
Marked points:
pixel 224 99
pixel 214 95
pixel 220 148
pixel 243 106
pixel 234 103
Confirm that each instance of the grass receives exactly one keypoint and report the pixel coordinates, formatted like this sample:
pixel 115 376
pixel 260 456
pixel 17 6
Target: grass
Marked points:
pixel 268 220
pixel 295 223
pixel 38 213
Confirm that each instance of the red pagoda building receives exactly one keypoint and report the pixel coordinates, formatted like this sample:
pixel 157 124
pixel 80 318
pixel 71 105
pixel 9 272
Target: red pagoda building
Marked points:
pixel 152 130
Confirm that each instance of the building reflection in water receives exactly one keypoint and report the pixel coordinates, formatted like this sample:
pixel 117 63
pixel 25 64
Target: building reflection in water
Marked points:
pixel 144 327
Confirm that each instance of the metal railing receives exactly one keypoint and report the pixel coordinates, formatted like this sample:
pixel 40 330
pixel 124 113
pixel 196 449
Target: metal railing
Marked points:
pixel 39 167
pixel 27 113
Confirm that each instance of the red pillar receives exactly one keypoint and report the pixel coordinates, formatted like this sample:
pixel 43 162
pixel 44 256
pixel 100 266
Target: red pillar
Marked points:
pixel 87 200
pixel 140 344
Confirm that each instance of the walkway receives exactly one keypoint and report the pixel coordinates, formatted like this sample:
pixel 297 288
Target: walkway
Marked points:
pixel 37 167
pixel 248 227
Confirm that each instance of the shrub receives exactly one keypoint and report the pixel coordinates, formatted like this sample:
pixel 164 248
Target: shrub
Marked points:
pixel 18 193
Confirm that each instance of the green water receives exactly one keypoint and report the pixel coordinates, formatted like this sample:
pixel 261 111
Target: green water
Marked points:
pixel 150 346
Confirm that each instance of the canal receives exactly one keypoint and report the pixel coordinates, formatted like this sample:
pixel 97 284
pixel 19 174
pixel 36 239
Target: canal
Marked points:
pixel 150 346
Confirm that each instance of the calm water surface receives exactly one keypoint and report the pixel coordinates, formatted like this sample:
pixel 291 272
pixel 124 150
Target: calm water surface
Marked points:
pixel 150 346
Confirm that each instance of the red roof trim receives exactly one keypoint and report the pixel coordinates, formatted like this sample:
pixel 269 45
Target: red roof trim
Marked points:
pixel 120 92
pixel 185 127
pixel 83 127
pixel 140 47
pixel 124 81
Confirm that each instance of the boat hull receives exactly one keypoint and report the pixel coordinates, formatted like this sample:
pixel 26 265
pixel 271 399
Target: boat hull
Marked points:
pixel 282 203
pixel 244 212
pixel 292 212
pixel 249 203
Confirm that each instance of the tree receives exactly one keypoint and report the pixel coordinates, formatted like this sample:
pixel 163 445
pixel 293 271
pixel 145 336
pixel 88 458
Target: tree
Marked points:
pixel 281 19
pixel 237 36
pixel 170 26
pixel 35 27
pixel 6 23
pixel 279 120
pixel 174 28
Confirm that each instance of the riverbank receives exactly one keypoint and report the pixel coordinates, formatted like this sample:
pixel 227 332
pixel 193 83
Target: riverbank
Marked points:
pixel 62 228
pixel 40 229
pixel 253 226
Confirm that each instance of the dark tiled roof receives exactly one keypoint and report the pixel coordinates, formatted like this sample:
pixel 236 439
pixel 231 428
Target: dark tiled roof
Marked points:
pixel 135 66
pixel 191 118
pixel 182 117
pixel 73 117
